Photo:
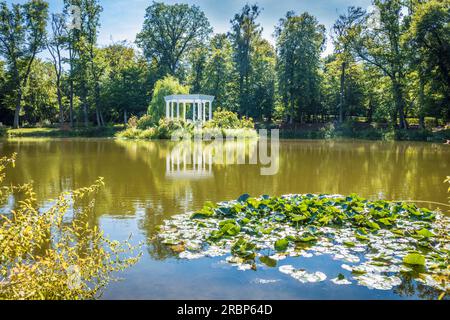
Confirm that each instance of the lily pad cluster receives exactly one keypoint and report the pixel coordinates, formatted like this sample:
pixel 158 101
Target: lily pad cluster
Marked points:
pixel 376 241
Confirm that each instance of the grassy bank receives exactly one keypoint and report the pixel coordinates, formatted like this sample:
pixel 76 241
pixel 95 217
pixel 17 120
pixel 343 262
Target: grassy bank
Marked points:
pixel 330 131
pixel 93 132
pixel 323 131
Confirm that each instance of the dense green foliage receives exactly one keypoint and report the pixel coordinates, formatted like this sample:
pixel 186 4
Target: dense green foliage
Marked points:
pixel 224 123
pixel 390 65
pixel 164 87
pixel 54 253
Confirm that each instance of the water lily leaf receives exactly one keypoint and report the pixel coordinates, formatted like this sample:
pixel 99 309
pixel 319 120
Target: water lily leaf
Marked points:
pixel 226 211
pixel 425 233
pixel 209 204
pixel 349 243
pixel 398 232
pixel 298 218
pixel 373 225
pixel 253 203
pixel 243 197
pixel 361 237
pixel 385 221
pixel 358 271
pixel 203 213
pixel 268 261
pixel 267 231
pixel 307 239
pixel 230 229
pixel 281 245
pixel 414 259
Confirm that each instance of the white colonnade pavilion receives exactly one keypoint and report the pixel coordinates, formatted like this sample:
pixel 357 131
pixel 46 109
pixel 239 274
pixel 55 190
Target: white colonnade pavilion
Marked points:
pixel 195 107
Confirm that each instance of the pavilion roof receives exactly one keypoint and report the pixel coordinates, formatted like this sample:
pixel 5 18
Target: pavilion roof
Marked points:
pixel 189 97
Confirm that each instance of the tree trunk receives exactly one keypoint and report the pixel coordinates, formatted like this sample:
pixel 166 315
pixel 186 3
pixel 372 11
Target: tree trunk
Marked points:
pixel 399 103
pixel 342 94
pixel 97 116
pixel 125 117
pixel 85 113
pixel 71 104
pixel 291 118
pixel 370 111
pixel 101 118
pixel 97 105
pixel 17 110
pixel 421 103
pixel 60 104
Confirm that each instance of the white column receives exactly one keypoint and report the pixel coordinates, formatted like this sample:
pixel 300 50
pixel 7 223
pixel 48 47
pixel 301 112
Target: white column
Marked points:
pixel 204 110
pixel 178 109
pixel 193 111
pixel 210 110
pixel 173 110
pixel 167 109
pixel 199 110
pixel 184 110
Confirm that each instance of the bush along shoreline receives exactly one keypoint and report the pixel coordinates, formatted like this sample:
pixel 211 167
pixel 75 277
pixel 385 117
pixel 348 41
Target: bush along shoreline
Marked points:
pixel 332 131
pixel 227 124
pixel 56 253
pixel 224 124
pixel 378 243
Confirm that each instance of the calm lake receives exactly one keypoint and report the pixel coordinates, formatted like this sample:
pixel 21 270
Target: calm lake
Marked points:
pixel 144 187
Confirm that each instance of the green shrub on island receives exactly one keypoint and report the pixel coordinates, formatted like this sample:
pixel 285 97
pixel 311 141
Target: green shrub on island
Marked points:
pixel 225 119
pixel 167 86
pixel 145 122
pixel 224 124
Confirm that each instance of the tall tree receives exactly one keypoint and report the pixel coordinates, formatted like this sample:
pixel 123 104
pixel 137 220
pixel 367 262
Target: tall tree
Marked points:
pixel 171 31
pixel 379 44
pixel 72 14
pixel 343 34
pixel 22 36
pixel 428 40
pixel 262 81
pixel 197 61
pixel 220 73
pixel 300 41
pixel 125 88
pixel 245 33
pixel 90 18
pixel 55 46
pixel 40 101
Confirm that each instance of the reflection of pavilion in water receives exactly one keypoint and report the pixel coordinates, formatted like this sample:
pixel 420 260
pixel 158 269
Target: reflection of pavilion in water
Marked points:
pixel 194 160
pixel 189 161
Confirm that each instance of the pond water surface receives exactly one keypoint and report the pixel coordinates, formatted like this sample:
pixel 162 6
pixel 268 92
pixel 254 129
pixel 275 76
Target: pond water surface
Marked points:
pixel 144 187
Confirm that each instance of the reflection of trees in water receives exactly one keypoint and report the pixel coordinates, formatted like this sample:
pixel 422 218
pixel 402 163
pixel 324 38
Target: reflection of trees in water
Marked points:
pixel 409 288
pixel 159 251
pixel 398 170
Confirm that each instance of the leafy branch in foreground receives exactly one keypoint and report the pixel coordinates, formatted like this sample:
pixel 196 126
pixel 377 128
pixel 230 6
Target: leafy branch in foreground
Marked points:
pixel 55 253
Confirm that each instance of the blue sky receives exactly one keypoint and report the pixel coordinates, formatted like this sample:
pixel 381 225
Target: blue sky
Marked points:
pixel 122 19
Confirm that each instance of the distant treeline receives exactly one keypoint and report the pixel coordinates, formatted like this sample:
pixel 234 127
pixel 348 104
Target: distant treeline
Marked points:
pixel 388 65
